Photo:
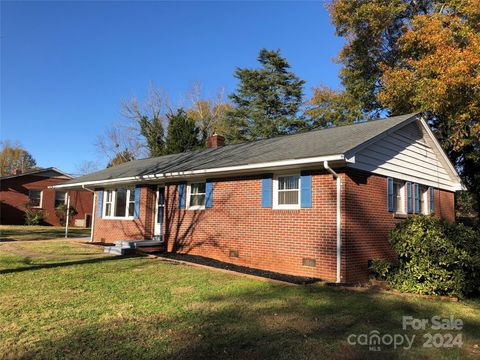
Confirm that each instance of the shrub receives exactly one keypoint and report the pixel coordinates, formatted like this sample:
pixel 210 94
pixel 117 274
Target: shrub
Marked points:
pixel 33 216
pixel 434 258
pixel 61 212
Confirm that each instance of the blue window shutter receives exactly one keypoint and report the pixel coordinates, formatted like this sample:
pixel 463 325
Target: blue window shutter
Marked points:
pixel 267 191
pixel 208 194
pixel 432 199
pixel 181 196
pixel 99 203
pixel 416 198
pixel 136 210
pixel 409 197
pixel 390 194
pixel 306 190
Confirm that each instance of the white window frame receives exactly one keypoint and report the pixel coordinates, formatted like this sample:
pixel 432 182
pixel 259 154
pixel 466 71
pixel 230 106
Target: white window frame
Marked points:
pixel 278 206
pixel 189 191
pixel 41 198
pixel 114 202
pixel 424 197
pixel 403 188
pixel 55 198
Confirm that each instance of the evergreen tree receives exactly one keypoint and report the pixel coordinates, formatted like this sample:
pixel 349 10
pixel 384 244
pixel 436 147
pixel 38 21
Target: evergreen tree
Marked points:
pixel 152 130
pixel 182 134
pixel 121 157
pixel 267 100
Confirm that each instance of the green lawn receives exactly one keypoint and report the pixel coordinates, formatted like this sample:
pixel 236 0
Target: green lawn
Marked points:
pixel 23 232
pixel 65 299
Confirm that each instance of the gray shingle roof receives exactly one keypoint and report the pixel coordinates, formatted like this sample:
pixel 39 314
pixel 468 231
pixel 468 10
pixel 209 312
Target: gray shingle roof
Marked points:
pixel 330 141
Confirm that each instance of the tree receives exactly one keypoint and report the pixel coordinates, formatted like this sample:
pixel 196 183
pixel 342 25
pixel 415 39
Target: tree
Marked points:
pixel 209 114
pixel 149 118
pixel 14 157
pixel 267 100
pixel 121 157
pixel 118 138
pixel 329 107
pixel 403 56
pixel 86 167
pixel 183 134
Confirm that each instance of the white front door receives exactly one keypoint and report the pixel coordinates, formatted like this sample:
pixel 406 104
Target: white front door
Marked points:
pixel 159 212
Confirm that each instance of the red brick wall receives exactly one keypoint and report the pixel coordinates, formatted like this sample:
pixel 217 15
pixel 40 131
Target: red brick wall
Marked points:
pixel 264 238
pixel 277 240
pixel 14 196
pixel 368 221
pixel 110 230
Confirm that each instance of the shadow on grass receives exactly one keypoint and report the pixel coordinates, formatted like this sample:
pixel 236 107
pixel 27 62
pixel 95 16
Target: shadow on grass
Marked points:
pixel 274 322
pixel 62 264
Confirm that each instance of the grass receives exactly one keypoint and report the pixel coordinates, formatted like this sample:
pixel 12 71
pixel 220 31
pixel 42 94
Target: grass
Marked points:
pixel 65 299
pixel 24 232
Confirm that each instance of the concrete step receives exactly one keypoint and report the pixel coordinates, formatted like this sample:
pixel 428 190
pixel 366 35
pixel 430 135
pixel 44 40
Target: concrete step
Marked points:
pixel 114 250
pixel 132 244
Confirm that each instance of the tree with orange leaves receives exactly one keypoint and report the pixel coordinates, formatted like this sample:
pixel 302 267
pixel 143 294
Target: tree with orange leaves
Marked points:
pixel 403 56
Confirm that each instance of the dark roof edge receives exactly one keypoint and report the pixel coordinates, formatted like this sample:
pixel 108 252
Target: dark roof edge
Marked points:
pixel 249 168
pixel 36 172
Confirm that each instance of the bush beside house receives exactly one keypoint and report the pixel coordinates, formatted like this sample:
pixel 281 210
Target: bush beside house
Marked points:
pixel 434 258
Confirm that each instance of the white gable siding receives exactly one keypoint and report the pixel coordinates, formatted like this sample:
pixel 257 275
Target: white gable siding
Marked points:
pixel 407 154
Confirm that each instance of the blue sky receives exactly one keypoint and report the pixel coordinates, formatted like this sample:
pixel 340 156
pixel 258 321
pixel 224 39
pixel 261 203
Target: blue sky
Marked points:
pixel 66 66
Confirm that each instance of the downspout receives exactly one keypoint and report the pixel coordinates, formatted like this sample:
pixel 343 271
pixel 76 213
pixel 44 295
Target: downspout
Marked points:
pixel 339 219
pixel 93 210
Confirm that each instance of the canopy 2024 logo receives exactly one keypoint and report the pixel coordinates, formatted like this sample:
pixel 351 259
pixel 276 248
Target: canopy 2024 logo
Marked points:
pixel 376 340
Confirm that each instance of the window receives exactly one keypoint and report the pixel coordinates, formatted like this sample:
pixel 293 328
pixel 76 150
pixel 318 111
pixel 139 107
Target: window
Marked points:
pixel 108 203
pixel 424 208
pixel 119 203
pixel 196 196
pixel 287 192
pixel 131 203
pixel 399 197
pixel 60 197
pixel 35 198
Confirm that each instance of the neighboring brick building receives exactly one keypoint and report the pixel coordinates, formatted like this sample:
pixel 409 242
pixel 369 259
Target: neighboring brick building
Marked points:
pixel 277 204
pixel 32 187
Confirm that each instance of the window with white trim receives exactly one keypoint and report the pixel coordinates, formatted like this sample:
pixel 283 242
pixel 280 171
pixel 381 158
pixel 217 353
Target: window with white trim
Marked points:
pixel 399 196
pixel 35 198
pixel 424 205
pixel 196 195
pixel 60 198
pixel 286 192
pixel 119 203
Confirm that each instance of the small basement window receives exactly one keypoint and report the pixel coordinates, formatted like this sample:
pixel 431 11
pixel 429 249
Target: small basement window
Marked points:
pixel 35 198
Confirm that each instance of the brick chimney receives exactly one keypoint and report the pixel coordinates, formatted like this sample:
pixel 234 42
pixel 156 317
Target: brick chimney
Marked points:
pixel 215 141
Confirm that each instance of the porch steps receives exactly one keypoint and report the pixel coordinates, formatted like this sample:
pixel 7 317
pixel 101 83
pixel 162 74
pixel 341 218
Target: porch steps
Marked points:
pixel 123 247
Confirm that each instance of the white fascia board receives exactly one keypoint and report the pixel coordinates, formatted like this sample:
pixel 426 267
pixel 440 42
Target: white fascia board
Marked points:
pixel 214 171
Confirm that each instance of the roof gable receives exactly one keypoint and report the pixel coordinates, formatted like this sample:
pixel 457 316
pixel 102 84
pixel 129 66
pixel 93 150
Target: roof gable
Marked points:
pixel 409 153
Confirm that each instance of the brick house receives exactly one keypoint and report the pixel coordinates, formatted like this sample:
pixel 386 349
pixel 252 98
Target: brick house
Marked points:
pixel 32 187
pixel 317 204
